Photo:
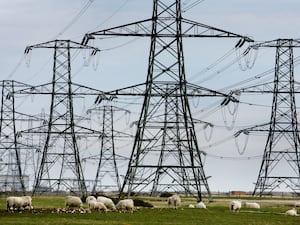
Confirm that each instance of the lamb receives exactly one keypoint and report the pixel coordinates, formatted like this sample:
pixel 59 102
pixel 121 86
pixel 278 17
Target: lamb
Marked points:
pixel 107 202
pixel 201 205
pixel 73 202
pixel 235 205
pixel 18 203
pixel 252 205
pixel 174 200
pixel 95 205
pixel 291 212
pixel 125 204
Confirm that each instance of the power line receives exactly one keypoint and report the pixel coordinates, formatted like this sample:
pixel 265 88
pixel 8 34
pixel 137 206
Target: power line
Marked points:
pixel 75 19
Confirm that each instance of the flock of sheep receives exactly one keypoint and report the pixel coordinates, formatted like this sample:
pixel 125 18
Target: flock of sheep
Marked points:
pixel 100 203
pixel 105 204
pixel 234 205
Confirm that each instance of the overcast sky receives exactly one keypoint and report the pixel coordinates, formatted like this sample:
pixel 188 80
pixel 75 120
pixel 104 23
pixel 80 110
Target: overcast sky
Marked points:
pixel 28 22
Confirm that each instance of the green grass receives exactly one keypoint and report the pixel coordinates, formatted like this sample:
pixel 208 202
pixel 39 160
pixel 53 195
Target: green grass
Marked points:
pixel 218 214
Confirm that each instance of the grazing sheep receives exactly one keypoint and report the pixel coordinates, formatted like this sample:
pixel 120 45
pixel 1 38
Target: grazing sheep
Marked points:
pixel 252 205
pixel 235 205
pixel 201 205
pixel 174 200
pixel 107 202
pixel 90 198
pixel 95 205
pixel 191 206
pixel 18 203
pixel 125 205
pixel 73 202
pixel 291 212
pixel 297 204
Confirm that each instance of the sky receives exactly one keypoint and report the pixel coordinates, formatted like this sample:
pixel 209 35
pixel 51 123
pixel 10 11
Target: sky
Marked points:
pixel 123 62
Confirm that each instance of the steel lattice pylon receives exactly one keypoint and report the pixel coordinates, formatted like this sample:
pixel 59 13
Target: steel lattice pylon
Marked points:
pixel 60 168
pixel 107 176
pixel 280 165
pixel 10 163
pixel 281 149
pixel 165 155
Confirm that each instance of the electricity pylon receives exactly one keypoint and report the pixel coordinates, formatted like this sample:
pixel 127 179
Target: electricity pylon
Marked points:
pixel 12 149
pixel 10 164
pixel 280 164
pixel 107 176
pixel 165 155
pixel 60 168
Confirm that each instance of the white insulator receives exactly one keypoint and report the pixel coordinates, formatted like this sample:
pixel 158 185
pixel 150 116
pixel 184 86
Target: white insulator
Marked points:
pixel 242 150
pixel 85 58
pixel 127 117
pixel 226 123
pixel 28 58
pixel 96 61
pixel 251 58
pixel 208 130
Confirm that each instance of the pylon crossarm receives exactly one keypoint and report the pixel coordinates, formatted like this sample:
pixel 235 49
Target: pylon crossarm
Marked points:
pixel 194 29
pixel 46 89
pixel 143 29
pixel 61 44
pixel 267 87
pixel 294 43
pixel 140 29
pixel 262 127
pixel 192 90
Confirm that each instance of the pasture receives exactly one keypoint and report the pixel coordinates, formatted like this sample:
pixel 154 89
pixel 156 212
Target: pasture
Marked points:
pixel 45 212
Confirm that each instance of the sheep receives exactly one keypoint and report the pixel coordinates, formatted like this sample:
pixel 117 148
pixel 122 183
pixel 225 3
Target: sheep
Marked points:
pixel 107 202
pixel 73 202
pixel 174 200
pixel 291 212
pixel 252 205
pixel 191 206
pixel 18 203
pixel 125 204
pixel 95 205
pixel 297 204
pixel 90 198
pixel 235 205
pixel 201 205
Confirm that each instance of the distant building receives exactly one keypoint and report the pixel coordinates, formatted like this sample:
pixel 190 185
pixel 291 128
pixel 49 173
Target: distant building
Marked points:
pixel 238 193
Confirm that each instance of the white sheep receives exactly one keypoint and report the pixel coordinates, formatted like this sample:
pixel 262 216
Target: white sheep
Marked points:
pixel 252 205
pixel 291 212
pixel 95 205
pixel 107 202
pixel 235 205
pixel 73 202
pixel 174 200
pixel 18 203
pixel 191 206
pixel 200 205
pixel 90 198
pixel 297 204
pixel 125 205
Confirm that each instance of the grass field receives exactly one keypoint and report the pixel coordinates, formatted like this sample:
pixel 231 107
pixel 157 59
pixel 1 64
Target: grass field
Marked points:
pixel 271 213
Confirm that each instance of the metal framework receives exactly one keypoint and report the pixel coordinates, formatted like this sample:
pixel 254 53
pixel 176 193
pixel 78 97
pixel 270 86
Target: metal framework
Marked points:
pixel 13 149
pixel 165 155
pixel 107 176
pixel 10 163
pixel 280 165
pixel 60 168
